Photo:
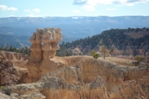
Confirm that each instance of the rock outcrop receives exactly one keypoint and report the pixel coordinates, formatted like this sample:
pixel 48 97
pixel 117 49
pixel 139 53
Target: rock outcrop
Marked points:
pixel 12 67
pixel 24 91
pixel 36 47
pixel 73 77
pixel 44 46
pixel 49 37
pixel 13 56
pixel 10 74
pixel 4 96
pixel 91 79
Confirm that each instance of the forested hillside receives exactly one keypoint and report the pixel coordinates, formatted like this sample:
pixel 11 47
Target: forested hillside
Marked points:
pixel 131 41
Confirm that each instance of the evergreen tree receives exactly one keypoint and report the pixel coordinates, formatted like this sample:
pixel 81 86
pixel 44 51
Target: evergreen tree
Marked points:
pixel 104 51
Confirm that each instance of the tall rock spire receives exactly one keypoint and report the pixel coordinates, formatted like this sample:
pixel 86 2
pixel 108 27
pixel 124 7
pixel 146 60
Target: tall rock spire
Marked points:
pixel 49 37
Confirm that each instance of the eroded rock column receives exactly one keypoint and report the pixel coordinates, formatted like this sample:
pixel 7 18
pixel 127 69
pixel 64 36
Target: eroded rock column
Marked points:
pixel 36 47
pixel 44 44
pixel 51 37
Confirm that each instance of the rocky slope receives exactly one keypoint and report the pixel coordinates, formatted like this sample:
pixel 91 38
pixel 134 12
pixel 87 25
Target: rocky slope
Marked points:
pixel 12 68
pixel 13 56
pixel 84 77
pixel 10 74
pixel 75 77
pixel 130 42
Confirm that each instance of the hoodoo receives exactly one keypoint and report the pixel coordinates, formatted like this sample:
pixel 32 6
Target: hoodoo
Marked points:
pixel 46 76
pixel 50 38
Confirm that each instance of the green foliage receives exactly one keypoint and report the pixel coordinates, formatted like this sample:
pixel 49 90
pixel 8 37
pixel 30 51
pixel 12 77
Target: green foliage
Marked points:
pixel 2 87
pixel 116 37
pixel 140 58
pixel 67 52
pixel 24 50
pixel 94 54
pixel 104 51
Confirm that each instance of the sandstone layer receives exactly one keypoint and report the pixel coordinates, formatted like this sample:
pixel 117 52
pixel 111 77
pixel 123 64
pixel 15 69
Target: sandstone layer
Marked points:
pixel 13 56
pixel 10 74
pixel 45 76
pixel 12 68
pixel 82 77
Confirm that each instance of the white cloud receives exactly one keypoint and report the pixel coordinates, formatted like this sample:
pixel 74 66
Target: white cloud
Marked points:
pixel 79 2
pixel 76 11
pixel 5 8
pixel 111 9
pixel 32 12
pixel 96 2
pixel 90 5
pixel 37 10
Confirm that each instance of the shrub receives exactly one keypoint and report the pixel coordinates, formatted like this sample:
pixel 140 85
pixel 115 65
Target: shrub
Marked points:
pixel 94 54
pixel 140 59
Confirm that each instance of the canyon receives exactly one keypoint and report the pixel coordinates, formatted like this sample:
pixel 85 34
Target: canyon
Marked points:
pixel 43 75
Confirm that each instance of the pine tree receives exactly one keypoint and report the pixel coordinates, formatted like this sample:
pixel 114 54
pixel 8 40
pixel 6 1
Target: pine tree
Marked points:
pixel 104 51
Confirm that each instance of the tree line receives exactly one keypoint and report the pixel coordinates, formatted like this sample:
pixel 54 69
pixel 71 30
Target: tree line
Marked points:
pixel 23 50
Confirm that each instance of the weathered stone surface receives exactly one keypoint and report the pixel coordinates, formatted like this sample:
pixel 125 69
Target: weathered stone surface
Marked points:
pixel 115 81
pixel 105 80
pixel 72 75
pixel 76 51
pixel 43 48
pixel 75 77
pixel 49 37
pixel 4 96
pixel 36 47
pixel 36 70
pixel 24 91
pixel 13 56
pixel 9 74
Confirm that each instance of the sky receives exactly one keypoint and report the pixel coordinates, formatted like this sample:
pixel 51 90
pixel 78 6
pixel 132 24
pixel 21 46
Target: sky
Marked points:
pixel 65 8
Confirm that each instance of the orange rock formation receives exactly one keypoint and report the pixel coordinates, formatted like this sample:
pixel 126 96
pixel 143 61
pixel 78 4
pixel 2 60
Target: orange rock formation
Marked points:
pixel 50 37
pixel 76 77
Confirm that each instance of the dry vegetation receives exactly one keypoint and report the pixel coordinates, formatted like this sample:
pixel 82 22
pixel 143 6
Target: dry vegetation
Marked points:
pixel 120 61
pixel 73 60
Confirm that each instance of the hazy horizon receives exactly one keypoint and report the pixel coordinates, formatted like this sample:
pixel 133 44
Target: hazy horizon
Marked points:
pixel 74 16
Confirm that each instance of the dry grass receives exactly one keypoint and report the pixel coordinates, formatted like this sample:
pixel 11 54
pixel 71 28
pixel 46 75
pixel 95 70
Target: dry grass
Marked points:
pixel 120 61
pixel 73 60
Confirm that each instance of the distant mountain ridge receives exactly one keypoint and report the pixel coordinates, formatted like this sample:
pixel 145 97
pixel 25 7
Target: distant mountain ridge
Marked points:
pixel 80 26
pixel 73 28
pixel 131 41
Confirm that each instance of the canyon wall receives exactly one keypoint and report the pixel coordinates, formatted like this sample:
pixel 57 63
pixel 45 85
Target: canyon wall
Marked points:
pixel 14 56
pixel 12 67
pixel 87 78
pixel 74 77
